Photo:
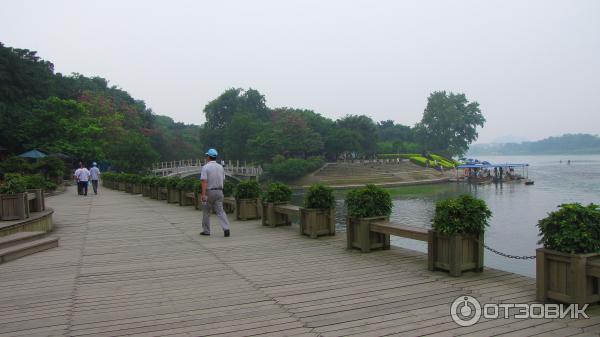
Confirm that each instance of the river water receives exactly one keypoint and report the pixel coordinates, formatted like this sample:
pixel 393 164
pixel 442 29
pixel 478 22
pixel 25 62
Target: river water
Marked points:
pixel 516 207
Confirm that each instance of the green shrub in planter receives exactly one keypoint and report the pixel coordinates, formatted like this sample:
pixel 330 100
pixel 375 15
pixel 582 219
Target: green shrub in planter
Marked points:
pixel 364 205
pixel 574 229
pixel 13 184
pixel 457 239
pixel 155 181
pixel 319 196
pixel 186 184
pixel 172 182
pixel 318 215
pixel 246 194
pixel 13 198
pixel 163 181
pixel 146 180
pixel 277 192
pixel 461 215
pixel 247 189
pixel 38 181
pixel 571 238
pixel 228 188
pixel 369 201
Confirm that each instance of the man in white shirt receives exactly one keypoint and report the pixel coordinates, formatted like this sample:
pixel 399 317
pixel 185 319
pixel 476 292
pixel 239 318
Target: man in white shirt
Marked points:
pixel 82 175
pixel 95 174
pixel 213 178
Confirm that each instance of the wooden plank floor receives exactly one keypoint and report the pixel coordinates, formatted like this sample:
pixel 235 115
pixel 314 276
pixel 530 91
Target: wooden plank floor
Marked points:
pixel 129 265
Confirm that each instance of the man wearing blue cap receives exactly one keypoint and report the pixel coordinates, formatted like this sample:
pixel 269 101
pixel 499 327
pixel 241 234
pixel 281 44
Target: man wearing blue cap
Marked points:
pixel 213 178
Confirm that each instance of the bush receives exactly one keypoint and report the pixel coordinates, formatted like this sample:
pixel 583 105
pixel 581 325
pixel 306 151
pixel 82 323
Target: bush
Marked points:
pixel 293 168
pixel 319 196
pixel 247 189
pixel 51 167
pixel 163 181
pixel 13 184
pixel 145 180
pixel 228 188
pixel 172 182
pixel 38 181
pixel 109 176
pixel 16 164
pixel 277 192
pixel 369 201
pixel 155 181
pixel 461 215
pixel 186 184
pixel 572 229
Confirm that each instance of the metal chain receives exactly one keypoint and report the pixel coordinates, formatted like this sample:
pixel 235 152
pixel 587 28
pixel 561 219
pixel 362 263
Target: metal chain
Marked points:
pixel 508 255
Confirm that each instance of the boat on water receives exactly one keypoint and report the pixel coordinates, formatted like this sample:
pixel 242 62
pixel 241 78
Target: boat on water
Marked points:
pixel 475 172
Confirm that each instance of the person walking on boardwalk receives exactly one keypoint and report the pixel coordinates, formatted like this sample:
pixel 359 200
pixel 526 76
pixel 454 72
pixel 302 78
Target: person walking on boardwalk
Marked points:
pixel 95 174
pixel 82 175
pixel 213 178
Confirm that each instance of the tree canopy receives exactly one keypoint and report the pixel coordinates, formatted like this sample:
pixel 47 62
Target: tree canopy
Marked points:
pixel 94 121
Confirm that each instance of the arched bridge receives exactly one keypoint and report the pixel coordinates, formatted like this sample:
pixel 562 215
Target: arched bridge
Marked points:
pixel 185 168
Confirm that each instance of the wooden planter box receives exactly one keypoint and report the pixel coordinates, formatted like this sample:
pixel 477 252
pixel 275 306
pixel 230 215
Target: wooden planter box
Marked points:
pixel 122 186
pixel 564 277
pixel 229 205
pixel 172 195
pixel 36 202
pixel 246 209
pixel 146 190
pixel 272 218
pixel 359 235
pixel 455 253
pixel 136 189
pixel 316 222
pixel 14 206
pixel 163 193
pixel 129 187
pixel 186 198
pixel 154 192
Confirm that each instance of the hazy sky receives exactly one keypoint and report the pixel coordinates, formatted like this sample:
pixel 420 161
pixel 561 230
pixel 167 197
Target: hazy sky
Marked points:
pixel 534 66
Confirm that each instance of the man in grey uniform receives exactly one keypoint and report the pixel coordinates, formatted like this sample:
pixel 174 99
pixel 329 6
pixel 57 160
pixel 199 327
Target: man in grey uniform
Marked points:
pixel 213 178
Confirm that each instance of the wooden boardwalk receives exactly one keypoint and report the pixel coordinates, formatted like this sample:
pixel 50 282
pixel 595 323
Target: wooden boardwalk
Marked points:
pixel 129 265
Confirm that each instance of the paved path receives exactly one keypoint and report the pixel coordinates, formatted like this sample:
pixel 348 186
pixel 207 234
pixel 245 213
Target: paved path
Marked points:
pixel 129 265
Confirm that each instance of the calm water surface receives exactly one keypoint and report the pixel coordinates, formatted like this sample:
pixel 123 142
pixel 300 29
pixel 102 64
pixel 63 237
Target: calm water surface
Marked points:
pixel 516 207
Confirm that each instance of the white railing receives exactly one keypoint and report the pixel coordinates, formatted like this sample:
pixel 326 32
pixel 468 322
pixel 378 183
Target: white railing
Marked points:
pixel 191 166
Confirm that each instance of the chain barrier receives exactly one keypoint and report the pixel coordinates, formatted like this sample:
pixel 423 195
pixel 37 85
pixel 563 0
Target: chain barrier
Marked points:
pixel 524 257
pixel 508 256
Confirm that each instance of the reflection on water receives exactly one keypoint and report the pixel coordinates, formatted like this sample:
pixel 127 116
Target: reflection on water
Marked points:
pixel 516 207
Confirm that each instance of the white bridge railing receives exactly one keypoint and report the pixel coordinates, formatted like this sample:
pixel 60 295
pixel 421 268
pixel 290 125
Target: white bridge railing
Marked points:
pixel 193 166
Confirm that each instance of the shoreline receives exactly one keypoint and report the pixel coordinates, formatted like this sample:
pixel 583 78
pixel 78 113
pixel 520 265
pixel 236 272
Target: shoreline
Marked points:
pixel 391 184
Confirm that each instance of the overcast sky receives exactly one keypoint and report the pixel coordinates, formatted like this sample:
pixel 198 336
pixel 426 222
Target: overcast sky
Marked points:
pixel 534 66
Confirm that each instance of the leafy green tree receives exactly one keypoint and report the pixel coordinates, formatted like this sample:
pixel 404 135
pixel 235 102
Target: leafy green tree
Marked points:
pixel 449 123
pixel 364 129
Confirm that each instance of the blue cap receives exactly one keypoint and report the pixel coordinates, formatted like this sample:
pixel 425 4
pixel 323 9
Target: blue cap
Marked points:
pixel 212 153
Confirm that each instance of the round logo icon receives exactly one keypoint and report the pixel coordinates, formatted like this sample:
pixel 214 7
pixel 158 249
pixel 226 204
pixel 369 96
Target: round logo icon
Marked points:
pixel 465 310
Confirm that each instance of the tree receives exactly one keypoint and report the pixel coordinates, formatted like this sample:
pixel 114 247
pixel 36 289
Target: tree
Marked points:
pixel 364 130
pixel 449 123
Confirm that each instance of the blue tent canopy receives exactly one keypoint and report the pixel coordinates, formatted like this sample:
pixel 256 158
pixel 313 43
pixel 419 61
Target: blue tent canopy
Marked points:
pixel 33 154
pixel 491 165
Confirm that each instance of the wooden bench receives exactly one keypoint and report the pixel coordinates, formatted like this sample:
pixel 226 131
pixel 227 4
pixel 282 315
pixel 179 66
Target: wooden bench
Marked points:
pixel 289 210
pixel 456 253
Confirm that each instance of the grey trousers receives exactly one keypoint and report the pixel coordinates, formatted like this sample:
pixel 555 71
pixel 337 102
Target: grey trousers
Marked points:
pixel 214 201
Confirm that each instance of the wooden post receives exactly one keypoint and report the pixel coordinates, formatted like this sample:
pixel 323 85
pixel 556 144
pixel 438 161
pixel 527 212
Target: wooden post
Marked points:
pixel 540 275
pixel 578 272
pixel 431 250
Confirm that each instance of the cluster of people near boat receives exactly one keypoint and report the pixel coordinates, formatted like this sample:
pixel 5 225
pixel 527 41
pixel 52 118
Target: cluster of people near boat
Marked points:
pixel 484 172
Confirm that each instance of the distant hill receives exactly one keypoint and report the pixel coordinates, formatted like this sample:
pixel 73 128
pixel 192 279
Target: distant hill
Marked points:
pixel 565 144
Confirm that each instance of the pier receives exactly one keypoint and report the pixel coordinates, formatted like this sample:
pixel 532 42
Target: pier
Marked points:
pixel 128 265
